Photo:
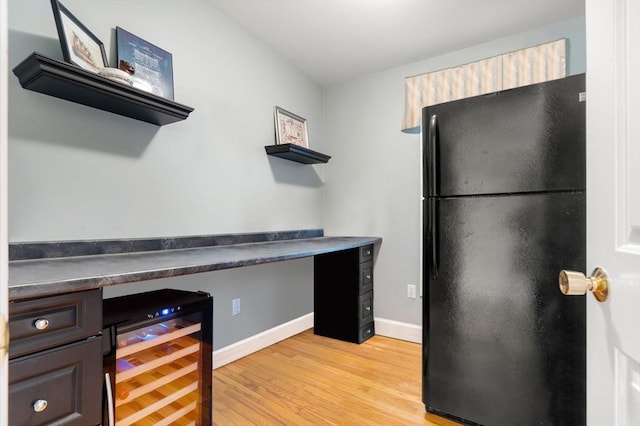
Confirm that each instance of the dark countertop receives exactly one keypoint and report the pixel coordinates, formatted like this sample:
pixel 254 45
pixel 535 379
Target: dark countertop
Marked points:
pixel 54 275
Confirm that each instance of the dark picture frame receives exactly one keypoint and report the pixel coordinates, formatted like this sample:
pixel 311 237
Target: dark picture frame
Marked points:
pixel 146 62
pixel 290 128
pixel 79 45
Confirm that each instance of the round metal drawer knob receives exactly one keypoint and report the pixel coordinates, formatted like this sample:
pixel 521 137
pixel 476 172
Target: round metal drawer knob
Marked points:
pixel 42 324
pixel 40 405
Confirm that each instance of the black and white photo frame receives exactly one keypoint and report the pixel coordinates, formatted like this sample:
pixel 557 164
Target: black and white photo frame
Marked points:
pixel 79 45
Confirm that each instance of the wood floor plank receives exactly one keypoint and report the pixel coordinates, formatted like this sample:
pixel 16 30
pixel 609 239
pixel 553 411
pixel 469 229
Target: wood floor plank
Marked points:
pixel 314 380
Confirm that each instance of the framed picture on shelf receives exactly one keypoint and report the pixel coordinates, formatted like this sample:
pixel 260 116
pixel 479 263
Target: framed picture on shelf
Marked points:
pixel 150 66
pixel 79 45
pixel 290 128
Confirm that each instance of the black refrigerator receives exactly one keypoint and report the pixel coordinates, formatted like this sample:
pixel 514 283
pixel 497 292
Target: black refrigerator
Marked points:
pixel 504 212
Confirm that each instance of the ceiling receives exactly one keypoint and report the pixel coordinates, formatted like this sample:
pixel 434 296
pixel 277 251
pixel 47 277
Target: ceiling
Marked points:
pixel 335 40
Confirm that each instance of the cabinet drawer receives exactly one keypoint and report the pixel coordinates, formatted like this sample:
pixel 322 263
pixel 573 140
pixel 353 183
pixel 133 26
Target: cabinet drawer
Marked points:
pixel 365 311
pixel 366 277
pixel 366 332
pixel 39 324
pixel 69 379
pixel 366 253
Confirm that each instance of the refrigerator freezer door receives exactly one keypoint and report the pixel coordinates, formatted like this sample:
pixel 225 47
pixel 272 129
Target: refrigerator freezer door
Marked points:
pixel 526 139
pixel 502 345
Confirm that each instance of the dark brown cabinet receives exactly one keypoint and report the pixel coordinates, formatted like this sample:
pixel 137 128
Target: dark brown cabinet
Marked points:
pixel 343 294
pixel 55 360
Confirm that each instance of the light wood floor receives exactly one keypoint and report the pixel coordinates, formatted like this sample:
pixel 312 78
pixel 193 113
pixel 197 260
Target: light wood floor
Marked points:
pixel 313 380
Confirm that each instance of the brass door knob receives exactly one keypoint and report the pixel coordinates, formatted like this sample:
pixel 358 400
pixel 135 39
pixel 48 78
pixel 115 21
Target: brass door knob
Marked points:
pixel 576 283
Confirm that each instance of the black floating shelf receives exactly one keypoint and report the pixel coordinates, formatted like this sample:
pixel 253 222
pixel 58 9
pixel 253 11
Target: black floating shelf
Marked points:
pixel 296 153
pixel 66 81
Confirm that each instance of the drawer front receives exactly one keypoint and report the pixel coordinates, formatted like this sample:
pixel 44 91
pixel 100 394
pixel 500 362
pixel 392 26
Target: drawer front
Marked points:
pixel 365 312
pixel 366 332
pixel 69 379
pixel 366 277
pixel 40 324
pixel 366 253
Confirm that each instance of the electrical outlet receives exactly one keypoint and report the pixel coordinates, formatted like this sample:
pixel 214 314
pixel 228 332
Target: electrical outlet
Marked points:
pixel 411 291
pixel 235 307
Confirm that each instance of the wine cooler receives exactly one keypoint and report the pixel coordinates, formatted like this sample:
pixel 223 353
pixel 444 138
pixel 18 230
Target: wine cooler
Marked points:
pixel 157 359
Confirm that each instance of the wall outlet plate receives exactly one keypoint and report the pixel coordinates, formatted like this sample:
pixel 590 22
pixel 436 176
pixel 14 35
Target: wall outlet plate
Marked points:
pixel 411 291
pixel 235 307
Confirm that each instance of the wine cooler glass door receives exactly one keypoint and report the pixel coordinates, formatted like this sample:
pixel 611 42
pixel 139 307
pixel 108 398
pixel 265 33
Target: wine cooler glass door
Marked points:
pixel 158 373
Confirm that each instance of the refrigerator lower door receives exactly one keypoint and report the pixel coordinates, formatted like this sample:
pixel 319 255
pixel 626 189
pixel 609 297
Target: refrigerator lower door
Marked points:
pixel 502 346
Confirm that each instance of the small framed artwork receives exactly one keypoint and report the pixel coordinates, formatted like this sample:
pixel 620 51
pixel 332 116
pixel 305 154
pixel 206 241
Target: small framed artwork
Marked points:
pixel 150 66
pixel 290 128
pixel 79 45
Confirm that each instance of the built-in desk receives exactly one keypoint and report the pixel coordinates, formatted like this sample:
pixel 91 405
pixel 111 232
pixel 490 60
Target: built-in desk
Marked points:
pixel 48 268
pixel 55 314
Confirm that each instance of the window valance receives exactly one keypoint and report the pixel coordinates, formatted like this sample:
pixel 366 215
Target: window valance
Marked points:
pixel 519 68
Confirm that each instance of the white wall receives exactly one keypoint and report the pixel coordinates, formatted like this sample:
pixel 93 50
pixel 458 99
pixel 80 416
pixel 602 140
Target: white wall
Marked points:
pixel 373 179
pixel 93 174
pixel 81 173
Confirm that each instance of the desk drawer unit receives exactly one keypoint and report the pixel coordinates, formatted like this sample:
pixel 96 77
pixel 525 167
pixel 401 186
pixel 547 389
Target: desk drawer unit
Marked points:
pixel 55 360
pixel 40 324
pixel 343 294
pixel 57 386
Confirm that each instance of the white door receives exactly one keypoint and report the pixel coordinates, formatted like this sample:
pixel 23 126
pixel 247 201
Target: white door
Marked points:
pixel 613 210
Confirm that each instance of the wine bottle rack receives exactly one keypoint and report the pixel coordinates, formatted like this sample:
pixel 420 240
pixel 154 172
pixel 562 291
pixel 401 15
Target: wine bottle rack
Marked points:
pixel 157 375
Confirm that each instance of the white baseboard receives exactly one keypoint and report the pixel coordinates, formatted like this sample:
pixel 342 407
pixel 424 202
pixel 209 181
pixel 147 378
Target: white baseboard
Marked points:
pixel 235 351
pixel 399 330
pixel 262 340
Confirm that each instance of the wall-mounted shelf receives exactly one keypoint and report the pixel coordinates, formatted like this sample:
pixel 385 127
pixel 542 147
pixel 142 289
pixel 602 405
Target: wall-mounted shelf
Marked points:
pixel 296 153
pixel 66 81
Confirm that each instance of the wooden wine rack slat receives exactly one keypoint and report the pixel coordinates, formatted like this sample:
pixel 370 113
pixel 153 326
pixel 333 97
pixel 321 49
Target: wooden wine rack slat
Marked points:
pixel 147 378
pixel 149 362
pixel 155 384
pixel 177 388
pixel 151 405
pixel 140 346
pixel 180 414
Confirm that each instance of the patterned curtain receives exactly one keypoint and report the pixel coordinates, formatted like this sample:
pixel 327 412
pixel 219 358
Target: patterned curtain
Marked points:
pixel 520 68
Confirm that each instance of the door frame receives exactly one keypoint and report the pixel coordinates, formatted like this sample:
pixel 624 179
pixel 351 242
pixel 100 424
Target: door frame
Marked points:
pixel 4 245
